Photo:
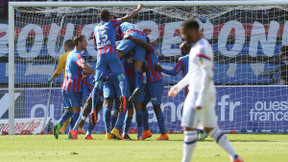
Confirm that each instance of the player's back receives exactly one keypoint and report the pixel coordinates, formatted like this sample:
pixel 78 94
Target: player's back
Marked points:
pixel 129 26
pixel 73 74
pixel 201 54
pixel 105 35
pixel 63 62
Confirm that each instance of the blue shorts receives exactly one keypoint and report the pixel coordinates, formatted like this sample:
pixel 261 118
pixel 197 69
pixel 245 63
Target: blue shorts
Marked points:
pixel 106 64
pixel 127 45
pixel 65 100
pixel 111 89
pixel 75 98
pixel 154 92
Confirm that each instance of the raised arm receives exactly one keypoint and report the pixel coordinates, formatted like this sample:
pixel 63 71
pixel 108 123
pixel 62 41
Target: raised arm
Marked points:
pixel 133 13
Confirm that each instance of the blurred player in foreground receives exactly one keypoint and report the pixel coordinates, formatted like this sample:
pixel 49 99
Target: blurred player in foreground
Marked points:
pixel 68 46
pixel 199 105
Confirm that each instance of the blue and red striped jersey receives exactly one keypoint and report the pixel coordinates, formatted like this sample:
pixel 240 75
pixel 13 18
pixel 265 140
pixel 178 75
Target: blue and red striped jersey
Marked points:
pixel 105 36
pixel 73 72
pixel 151 74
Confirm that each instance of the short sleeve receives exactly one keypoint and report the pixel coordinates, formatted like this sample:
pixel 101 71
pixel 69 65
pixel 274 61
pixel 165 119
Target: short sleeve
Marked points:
pixel 116 22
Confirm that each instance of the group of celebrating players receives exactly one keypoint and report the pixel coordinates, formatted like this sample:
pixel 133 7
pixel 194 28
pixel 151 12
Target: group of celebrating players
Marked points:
pixel 124 53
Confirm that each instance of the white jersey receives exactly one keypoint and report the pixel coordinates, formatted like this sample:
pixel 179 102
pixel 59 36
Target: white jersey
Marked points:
pixel 200 71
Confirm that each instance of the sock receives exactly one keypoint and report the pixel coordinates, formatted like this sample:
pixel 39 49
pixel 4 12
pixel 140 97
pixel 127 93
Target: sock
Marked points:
pixel 120 121
pixel 122 84
pixel 96 93
pixel 161 122
pixel 190 139
pixel 145 119
pixel 64 126
pixel 106 118
pixel 74 118
pixel 128 122
pixel 139 120
pixel 220 138
pixel 90 129
pixel 138 78
pixel 113 121
pixel 65 116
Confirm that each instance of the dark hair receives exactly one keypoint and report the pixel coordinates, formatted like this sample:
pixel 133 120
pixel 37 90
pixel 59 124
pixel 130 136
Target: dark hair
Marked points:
pixel 104 15
pixel 190 24
pixel 69 43
pixel 78 39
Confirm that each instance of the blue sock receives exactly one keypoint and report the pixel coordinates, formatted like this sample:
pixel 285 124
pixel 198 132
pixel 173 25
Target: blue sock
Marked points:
pixel 120 121
pixel 145 120
pixel 138 78
pixel 106 118
pixel 139 120
pixel 128 122
pixel 65 116
pixel 161 122
pixel 113 121
pixel 122 83
pixel 96 93
pixel 74 118
pixel 90 129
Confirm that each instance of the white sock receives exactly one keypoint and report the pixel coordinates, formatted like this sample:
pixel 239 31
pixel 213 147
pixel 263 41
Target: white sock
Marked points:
pixel 190 139
pixel 220 138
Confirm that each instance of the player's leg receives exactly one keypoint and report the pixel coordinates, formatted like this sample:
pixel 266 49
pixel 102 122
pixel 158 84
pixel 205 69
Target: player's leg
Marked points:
pixel 128 121
pixel 65 116
pixel 146 133
pixel 100 72
pixel 117 68
pixel 139 59
pixel 90 125
pixel 156 92
pixel 139 112
pixel 108 103
pixel 75 99
pixel 211 128
pixel 114 116
pixel 189 124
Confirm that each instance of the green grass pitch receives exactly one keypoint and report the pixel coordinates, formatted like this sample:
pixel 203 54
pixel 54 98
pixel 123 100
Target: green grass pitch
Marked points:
pixel 252 147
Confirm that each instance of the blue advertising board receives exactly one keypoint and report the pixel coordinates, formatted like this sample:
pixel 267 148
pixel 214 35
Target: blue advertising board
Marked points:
pixel 237 107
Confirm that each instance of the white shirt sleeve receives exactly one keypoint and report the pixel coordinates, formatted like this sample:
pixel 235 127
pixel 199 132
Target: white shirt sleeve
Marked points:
pixel 206 71
pixel 183 82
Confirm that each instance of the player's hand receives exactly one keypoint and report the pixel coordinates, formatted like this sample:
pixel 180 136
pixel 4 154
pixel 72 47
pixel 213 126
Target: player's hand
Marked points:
pixel 140 7
pixel 198 107
pixel 173 91
pixel 127 36
pixel 158 68
pixel 50 79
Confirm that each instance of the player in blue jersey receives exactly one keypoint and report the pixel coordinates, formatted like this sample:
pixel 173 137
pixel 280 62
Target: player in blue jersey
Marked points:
pixel 126 46
pixel 72 84
pixel 154 89
pixel 107 58
pixel 181 65
pixel 87 87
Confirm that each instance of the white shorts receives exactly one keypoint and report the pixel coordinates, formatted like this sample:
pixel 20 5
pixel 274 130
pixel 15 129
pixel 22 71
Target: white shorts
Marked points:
pixel 198 119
